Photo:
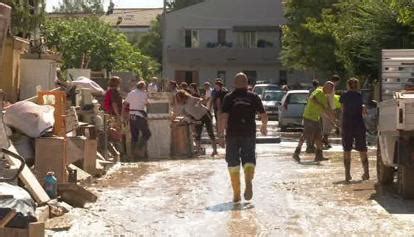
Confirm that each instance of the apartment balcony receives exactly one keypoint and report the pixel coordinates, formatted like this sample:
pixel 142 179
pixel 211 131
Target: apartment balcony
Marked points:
pixel 223 56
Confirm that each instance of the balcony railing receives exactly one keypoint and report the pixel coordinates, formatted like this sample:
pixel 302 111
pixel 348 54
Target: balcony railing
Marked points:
pixel 223 56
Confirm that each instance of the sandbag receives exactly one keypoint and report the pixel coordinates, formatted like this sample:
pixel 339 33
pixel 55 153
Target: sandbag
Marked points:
pixel 86 83
pixel 30 118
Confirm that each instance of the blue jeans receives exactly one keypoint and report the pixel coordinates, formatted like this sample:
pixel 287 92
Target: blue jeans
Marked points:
pixel 139 125
pixel 240 150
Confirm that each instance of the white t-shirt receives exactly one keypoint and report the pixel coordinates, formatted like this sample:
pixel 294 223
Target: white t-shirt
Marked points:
pixel 137 100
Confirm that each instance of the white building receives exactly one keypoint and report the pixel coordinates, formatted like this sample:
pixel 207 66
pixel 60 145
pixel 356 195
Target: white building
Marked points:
pixel 218 38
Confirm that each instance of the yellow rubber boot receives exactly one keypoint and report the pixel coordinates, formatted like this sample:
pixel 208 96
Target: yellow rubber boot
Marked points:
pixel 248 177
pixel 235 182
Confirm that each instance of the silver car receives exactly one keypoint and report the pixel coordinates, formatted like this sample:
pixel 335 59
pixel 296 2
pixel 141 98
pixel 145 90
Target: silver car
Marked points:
pixel 259 89
pixel 291 109
pixel 271 101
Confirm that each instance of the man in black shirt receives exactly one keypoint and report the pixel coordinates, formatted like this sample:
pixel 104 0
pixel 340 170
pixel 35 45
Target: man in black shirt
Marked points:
pixel 353 128
pixel 239 121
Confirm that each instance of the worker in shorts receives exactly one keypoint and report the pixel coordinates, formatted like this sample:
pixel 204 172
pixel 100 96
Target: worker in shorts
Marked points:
pixel 239 122
pixel 353 128
pixel 317 105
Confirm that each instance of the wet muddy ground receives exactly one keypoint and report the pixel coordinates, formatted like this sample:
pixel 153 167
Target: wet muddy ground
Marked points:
pixel 191 198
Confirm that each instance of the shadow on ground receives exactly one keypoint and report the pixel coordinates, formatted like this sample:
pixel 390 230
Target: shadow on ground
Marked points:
pixel 230 206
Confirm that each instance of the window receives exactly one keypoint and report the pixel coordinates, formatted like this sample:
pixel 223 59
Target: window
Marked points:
pixel 252 76
pixel 191 39
pixel 298 98
pixel 189 77
pixel 222 76
pixel 221 36
pixel 248 39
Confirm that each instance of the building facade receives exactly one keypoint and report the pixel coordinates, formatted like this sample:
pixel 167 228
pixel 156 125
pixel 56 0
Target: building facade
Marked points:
pixel 218 38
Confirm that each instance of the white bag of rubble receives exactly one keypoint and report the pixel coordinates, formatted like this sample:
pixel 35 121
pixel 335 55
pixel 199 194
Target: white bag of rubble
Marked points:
pixel 30 118
pixel 86 83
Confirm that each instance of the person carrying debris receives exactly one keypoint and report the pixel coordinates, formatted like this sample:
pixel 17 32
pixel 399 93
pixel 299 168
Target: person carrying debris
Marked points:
pixel 353 128
pixel 217 98
pixel 137 101
pixel 327 123
pixel 317 105
pixel 193 109
pixel 207 95
pixel 113 99
pixel 239 123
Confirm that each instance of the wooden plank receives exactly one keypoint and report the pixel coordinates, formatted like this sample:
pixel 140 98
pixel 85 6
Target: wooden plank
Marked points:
pixel 75 195
pixel 89 159
pixel 37 229
pixel 7 218
pixel 51 156
pixel 82 175
pixel 30 181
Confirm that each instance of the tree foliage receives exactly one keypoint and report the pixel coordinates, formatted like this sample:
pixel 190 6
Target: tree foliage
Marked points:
pixel 151 43
pixel 80 6
pixel 91 43
pixel 302 48
pixel 25 17
pixel 359 29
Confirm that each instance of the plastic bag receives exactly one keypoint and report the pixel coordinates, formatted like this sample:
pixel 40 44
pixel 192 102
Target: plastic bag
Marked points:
pixel 86 83
pixel 30 118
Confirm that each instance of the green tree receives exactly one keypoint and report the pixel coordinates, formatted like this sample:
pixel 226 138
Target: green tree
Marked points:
pixel 151 43
pixel 361 28
pixel 91 43
pixel 80 6
pixel 27 16
pixel 303 49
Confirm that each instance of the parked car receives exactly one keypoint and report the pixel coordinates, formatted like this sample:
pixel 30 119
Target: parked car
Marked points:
pixel 291 109
pixel 260 88
pixel 271 102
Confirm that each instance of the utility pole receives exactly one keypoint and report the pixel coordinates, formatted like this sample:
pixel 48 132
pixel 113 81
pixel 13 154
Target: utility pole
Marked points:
pixel 163 37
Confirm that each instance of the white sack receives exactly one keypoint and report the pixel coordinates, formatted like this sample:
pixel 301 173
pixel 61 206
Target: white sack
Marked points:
pixel 30 118
pixel 86 83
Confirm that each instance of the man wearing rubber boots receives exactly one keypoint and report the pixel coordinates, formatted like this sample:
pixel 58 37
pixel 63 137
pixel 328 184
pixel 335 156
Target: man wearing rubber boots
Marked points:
pixel 238 121
pixel 317 105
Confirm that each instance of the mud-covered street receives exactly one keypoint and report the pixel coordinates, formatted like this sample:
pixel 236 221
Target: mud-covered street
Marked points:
pixel 192 198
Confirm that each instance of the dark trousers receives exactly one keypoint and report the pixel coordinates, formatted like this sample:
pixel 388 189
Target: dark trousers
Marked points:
pixel 240 150
pixel 139 125
pixel 207 121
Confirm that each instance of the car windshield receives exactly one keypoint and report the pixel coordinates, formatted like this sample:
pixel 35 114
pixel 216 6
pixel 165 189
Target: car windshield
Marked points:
pixel 260 89
pixel 298 98
pixel 273 95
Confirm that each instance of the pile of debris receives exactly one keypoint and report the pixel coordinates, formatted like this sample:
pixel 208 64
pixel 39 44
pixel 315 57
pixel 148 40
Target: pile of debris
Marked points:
pixel 51 145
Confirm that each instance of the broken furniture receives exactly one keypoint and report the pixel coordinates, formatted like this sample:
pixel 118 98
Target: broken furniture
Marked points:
pixel 56 153
pixel 181 143
pixel 75 195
